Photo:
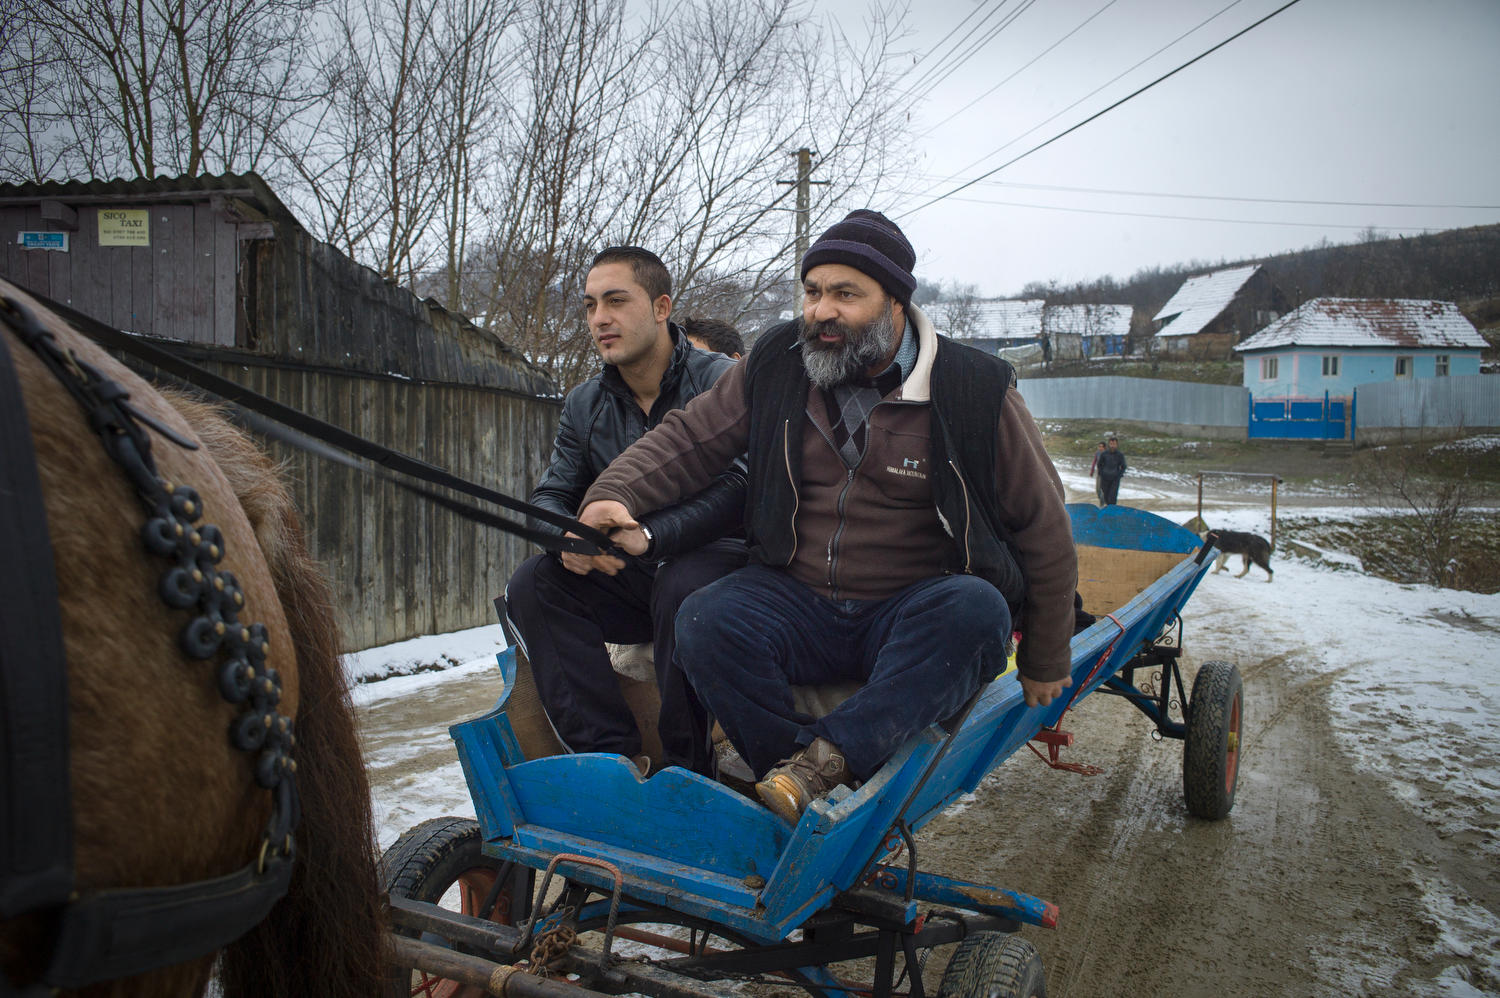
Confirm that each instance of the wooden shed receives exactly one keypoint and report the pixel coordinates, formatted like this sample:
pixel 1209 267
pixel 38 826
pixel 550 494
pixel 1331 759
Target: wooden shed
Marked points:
pixel 217 269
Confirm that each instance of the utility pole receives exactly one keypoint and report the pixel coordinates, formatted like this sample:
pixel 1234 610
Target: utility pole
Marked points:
pixel 804 184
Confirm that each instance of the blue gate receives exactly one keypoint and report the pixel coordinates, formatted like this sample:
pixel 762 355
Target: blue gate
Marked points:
pixel 1323 418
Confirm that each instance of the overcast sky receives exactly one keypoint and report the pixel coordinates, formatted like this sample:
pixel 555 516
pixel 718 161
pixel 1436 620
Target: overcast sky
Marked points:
pixel 1390 102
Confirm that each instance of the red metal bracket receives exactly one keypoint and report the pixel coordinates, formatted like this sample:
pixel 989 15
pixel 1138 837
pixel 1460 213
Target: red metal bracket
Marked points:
pixel 1056 740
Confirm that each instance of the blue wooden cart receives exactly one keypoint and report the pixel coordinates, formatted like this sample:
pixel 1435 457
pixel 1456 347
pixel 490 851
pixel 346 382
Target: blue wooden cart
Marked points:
pixel 736 893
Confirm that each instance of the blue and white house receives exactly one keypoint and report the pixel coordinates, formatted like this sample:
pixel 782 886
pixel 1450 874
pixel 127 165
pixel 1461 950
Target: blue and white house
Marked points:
pixel 1304 369
pixel 1330 346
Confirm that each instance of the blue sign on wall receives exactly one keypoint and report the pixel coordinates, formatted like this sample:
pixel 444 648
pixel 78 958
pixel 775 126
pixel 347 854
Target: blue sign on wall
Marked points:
pixel 44 241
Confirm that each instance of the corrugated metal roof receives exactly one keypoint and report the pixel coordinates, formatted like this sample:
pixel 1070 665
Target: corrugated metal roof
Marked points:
pixel 1369 322
pixel 1088 320
pixel 246 185
pixel 1200 300
pixel 1004 319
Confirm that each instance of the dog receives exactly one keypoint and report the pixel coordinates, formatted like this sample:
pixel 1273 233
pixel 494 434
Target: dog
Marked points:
pixel 1252 549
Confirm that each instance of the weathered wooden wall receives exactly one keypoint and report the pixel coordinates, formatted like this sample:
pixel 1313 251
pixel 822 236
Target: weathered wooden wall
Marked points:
pixel 402 567
pixel 242 289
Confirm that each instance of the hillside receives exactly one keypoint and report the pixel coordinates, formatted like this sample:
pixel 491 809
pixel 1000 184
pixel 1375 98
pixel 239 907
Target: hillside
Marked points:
pixel 1461 265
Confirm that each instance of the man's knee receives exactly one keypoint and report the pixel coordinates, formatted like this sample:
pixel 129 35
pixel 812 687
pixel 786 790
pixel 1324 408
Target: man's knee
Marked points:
pixel 697 630
pixel 520 591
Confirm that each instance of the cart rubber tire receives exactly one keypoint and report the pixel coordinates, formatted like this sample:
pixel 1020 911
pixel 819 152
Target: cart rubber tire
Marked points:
pixel 1211 755
pixel 439 854
pixel 994 965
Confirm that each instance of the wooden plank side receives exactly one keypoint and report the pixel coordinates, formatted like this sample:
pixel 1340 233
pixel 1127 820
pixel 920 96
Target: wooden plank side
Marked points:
pixel 1108 578
pixel 200 271
pixel 225 281
pixel 137 294
pixel 172 273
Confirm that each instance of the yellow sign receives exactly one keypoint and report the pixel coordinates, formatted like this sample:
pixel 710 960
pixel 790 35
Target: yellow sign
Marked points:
pixel 124 227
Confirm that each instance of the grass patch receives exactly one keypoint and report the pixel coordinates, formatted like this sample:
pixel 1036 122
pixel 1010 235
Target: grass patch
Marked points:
pixel 1388 546
pixel 1208 372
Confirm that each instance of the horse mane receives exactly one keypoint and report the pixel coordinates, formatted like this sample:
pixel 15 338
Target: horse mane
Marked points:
pixel 325 937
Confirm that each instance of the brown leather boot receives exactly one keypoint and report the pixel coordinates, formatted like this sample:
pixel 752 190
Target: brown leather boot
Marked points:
pixel 811 772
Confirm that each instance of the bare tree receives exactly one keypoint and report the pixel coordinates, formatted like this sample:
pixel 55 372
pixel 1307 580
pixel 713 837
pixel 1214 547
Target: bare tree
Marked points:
pixel 1431 504
pixel 141 87
pixel 670 132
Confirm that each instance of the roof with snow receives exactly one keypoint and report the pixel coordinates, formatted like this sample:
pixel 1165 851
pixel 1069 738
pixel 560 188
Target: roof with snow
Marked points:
pixel 1200 300
pixel 1088 320
pixel 1369 322
pixel 1001 319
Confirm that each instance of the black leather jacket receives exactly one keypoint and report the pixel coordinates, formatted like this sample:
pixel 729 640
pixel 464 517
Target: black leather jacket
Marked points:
pixel 600 418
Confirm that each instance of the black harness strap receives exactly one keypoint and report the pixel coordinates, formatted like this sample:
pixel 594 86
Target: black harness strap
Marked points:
pixel 36 815
pixel 113 933
pixel 120 933
pixel 589 540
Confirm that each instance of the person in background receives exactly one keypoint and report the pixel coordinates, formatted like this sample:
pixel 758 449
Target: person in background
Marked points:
pixel 559 608
pixel 1111 470
pixel 898 485
pixel 1094 474
pixel 715 336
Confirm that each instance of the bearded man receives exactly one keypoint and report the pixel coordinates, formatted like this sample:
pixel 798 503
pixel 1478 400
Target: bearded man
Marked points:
pixel 902 515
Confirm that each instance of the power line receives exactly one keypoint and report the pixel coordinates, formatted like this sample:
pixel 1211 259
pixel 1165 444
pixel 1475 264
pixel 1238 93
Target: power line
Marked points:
pixel 1018 72
pixel 1099 114
pixel 975 47
pixel 1194 218
pixel 1118 76
pixel 924 81
pixel 1247 200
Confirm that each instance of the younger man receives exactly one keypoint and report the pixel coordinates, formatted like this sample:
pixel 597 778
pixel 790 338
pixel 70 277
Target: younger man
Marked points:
pixel 562 611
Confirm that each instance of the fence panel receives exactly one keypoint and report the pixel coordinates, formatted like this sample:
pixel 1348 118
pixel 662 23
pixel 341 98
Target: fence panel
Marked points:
pixel 1465 401
pixel 1144 400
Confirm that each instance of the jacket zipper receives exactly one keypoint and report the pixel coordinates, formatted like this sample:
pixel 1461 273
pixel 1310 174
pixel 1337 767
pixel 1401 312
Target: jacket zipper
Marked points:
pixel 838 533
pixel 786 460
pixel 968 517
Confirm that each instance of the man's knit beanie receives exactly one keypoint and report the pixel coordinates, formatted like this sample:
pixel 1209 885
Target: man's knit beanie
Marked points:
pixel 872 244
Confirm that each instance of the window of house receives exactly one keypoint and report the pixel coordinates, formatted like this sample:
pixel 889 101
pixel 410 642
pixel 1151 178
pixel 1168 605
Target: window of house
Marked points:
pixel 1440 365
pixel 1331 366
pixel 1403 367
pixel 1268 367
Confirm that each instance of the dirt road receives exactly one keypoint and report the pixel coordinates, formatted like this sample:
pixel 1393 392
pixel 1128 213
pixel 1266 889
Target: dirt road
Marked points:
pixel 1325 879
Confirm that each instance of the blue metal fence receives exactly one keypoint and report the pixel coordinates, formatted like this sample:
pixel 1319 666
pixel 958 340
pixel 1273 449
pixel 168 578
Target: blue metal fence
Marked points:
pixel 1325 418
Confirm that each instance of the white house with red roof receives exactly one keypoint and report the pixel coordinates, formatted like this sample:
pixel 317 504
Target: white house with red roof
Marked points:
pixel 1329 346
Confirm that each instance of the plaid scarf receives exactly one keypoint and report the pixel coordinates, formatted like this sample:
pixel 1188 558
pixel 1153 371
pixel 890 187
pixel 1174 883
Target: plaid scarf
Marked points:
pixel 849 405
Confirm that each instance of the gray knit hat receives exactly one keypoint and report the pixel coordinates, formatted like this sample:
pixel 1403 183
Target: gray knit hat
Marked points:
pixel 872 244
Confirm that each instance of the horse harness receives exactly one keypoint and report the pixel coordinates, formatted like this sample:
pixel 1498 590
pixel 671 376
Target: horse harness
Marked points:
pixel 106 934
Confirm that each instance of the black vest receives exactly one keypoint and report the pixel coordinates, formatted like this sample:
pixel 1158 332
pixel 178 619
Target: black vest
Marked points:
pixel 968 391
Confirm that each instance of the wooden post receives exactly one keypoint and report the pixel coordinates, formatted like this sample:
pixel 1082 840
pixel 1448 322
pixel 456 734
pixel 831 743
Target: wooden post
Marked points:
pixel 1200 497
pixel 1274 482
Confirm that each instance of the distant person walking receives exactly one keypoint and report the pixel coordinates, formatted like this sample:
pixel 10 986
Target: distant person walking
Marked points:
pixel 1111 465
pixel 1094 474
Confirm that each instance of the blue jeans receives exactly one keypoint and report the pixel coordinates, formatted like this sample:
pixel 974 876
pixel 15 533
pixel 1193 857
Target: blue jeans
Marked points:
pixel 564 621
pixel 745 640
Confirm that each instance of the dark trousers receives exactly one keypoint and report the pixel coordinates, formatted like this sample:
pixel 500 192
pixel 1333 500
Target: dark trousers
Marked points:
pixel 564 619
pixel 746 639
pixel 1109 489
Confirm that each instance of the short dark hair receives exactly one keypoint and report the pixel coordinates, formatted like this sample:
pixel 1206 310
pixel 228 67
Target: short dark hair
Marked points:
pixel 718 334
pixel 650 272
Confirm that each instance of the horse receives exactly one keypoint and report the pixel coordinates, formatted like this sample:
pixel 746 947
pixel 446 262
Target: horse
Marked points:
pixel 159 794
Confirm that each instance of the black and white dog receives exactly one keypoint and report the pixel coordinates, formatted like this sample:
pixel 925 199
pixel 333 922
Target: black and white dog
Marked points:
pixel 1252 549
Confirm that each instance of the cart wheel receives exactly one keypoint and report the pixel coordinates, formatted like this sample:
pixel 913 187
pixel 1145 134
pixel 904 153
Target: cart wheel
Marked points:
pixel 1211 755
pixel 994 965
pixel 440 861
